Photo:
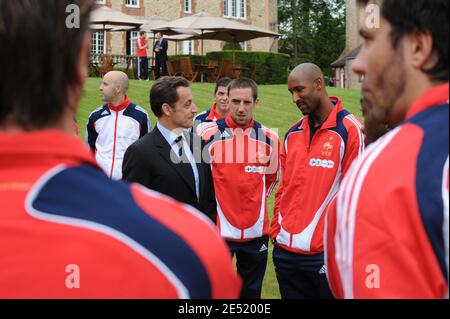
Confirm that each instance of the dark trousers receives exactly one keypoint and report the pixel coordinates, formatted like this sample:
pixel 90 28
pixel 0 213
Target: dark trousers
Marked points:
pixel 251 262
pixel 142 68
pixel 160 66
pixel 301 276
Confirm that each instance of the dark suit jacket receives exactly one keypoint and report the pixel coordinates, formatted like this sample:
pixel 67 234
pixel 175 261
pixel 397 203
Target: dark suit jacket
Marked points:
pixel 148 162
pixel 163 49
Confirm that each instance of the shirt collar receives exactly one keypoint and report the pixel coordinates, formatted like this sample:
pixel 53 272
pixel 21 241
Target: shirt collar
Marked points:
pixel 170 136
pixel 126 103
pixel 48 143
pixel 433 97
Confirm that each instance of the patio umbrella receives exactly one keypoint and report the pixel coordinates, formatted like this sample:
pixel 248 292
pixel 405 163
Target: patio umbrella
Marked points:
pixel 179 38
pixel 215 28
pixel 153 22
pixel 106 19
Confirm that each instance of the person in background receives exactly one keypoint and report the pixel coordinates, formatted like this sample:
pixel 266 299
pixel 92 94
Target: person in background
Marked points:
pixel 219 110
pixel 142 53
pixel 161 47
pixel 113 127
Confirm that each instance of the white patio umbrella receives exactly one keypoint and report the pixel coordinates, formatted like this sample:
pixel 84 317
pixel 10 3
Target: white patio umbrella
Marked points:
pixel 106 19
pixel 215 28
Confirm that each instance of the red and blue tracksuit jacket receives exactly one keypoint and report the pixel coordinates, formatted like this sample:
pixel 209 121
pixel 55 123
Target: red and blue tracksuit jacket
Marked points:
pixel 313 165
pixel 387 230
pixel 245 168
pixel 204 118
pixel 111 130
pixel 57 209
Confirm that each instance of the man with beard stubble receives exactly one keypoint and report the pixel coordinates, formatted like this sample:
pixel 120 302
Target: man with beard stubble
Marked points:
pixel 387 229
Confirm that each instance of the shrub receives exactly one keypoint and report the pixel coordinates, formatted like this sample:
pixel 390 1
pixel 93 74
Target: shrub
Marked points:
pixel 195 59
pixel 232 46
pixel 272 67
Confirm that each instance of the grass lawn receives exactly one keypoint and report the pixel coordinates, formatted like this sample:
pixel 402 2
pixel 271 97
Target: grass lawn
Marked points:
pixel 276 111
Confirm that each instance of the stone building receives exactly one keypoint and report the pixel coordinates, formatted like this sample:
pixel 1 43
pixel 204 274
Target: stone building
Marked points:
pixel 343 76
pixel 260 13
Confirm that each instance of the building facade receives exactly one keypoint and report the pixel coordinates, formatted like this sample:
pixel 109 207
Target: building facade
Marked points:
pixel 260 13
pixel 343 76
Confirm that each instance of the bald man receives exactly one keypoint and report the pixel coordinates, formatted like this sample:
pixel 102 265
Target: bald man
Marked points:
pixel 318 150
pixel 113 127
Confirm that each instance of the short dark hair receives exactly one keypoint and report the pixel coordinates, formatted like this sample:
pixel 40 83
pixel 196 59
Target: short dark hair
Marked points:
pixel 38 59
pixel 244 83
pixel 222 82
pixel 165 90
pixel 142 32
pixel 430 16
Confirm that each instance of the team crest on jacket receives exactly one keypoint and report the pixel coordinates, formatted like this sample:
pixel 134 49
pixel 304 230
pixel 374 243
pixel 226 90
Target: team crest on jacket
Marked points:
pixel 328 148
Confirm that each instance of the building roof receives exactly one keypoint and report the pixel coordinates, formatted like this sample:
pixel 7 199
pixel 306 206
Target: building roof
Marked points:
pixel 343 60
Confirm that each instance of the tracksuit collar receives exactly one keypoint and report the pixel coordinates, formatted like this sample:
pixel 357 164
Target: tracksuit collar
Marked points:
pixel 213 115
pixel 119 108
pixel 331 121
pixel 431 98
pixel 48 143
pixel 231 124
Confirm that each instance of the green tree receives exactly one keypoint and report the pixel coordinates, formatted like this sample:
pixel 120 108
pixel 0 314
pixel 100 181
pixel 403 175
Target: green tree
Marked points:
pixel 328 32
pixel 312 30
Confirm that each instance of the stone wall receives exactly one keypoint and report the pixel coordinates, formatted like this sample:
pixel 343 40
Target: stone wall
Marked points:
pixel 355 16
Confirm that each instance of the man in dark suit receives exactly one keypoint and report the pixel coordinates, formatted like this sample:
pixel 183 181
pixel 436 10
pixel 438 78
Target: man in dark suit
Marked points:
pixel 168 160
pixel 161 47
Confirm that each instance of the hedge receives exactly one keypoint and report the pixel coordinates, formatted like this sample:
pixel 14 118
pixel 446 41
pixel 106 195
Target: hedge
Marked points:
pixel 195 59
pixel 272 67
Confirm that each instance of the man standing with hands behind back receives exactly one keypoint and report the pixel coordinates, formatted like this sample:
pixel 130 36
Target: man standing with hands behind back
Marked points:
pixel 160 49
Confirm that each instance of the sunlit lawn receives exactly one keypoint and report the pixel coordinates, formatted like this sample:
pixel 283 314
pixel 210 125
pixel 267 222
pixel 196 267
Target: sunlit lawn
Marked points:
pixel 276 111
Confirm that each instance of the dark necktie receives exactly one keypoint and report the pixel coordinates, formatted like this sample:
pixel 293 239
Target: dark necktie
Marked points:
pixel 179 142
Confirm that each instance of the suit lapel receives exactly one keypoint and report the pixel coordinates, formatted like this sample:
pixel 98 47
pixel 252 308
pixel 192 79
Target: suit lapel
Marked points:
pixel 184 170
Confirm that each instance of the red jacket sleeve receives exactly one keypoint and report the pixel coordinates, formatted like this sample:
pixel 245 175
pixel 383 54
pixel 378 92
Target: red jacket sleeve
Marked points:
pixel 355 143
pixel 275 227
